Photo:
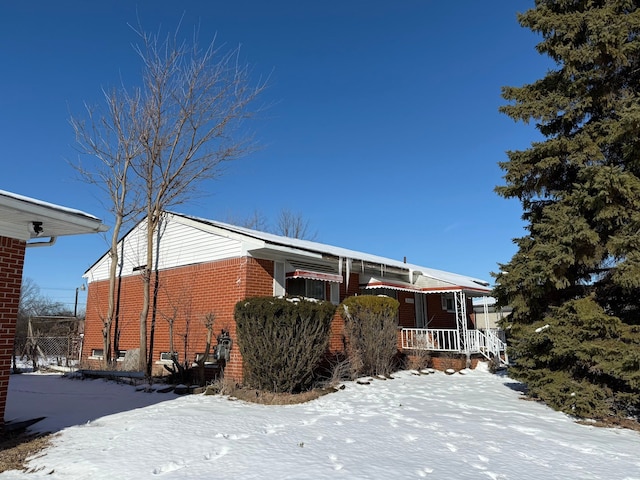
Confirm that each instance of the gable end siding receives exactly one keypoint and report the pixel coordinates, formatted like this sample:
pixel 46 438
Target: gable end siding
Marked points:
pixel 180 245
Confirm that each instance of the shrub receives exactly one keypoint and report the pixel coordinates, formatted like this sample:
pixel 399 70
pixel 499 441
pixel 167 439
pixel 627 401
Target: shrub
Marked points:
pixel 370 327
pixel 282 341
pixel 580 360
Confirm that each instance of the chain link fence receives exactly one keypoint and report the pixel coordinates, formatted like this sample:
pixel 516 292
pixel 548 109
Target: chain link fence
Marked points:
pixel 44 351
pixel 49 341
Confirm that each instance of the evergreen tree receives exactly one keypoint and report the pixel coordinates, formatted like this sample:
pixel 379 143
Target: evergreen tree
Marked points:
pixel 574 283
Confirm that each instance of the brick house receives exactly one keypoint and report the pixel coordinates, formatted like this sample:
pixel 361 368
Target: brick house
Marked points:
pixel 207 266
pixel 26 223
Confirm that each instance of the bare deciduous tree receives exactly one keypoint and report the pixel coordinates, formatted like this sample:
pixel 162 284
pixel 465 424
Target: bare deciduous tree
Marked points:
pixel 193 104
pixel 158 144
pixel 288 224
pixel 109 137
pixel 293 225
pixel 255 221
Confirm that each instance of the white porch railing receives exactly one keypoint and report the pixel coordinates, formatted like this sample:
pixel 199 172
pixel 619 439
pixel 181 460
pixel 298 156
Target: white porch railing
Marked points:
pixel 485 342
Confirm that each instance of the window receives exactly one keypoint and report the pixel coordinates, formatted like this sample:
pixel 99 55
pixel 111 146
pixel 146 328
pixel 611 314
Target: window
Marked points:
pixel 305 287
pixel 448 302
pixel 167 357
pixel 97 353
pixel 210 357
pixel 121 355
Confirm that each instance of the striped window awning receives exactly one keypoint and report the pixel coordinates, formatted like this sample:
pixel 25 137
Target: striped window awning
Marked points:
pixel 311 275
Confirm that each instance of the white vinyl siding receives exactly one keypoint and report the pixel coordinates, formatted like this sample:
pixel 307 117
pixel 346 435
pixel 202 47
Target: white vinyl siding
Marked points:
pixel 180 244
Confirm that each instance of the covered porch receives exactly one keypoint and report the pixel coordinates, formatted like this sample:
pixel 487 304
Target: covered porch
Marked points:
pixel 469 336
pixel 437 315
pixel 488 343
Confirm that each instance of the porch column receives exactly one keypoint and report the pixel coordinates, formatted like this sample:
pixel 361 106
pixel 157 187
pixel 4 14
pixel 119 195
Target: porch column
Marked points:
pixel 461 319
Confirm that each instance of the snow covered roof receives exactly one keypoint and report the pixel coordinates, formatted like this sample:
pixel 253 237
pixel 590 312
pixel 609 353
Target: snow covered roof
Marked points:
pixel 25 218
pixel 431 278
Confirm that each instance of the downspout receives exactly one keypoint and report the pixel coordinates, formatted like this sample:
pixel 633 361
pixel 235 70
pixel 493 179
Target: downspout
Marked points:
pixel 47 243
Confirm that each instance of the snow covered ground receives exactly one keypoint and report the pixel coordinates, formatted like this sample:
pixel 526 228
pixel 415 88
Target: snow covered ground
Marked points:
pixel 469 426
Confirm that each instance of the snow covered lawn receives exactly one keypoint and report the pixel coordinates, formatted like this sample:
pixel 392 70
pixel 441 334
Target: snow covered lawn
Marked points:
pixel 431 426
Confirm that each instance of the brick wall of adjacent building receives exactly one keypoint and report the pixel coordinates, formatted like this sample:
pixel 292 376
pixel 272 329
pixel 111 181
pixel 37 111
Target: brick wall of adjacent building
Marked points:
pixel 11 264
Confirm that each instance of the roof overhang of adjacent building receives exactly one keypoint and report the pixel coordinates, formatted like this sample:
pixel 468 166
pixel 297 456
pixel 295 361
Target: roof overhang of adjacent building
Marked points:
pixel 25 218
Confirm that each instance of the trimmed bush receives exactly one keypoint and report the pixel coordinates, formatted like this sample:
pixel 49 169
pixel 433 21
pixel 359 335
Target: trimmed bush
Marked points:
pixel 370 326
pixel 282 341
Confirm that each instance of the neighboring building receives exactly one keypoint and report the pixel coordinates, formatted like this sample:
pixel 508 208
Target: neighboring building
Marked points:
pixel 488 315
pixel 206 267
pixel 23 223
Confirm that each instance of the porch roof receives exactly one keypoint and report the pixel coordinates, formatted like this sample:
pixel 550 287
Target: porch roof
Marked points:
pixel 423 285
pixel 374 282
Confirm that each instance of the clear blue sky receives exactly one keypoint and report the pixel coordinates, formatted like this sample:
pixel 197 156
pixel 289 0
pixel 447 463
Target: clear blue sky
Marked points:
pixel 383 133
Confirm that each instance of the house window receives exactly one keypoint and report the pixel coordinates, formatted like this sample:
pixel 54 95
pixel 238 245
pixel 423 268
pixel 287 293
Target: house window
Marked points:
pixel 97 354
pixel 167 357
pixel 448 302
pixel 210 358
pixel 305 287
pixel 121 355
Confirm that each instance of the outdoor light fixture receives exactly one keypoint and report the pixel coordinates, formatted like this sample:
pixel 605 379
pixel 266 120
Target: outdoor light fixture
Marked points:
pixel 36 229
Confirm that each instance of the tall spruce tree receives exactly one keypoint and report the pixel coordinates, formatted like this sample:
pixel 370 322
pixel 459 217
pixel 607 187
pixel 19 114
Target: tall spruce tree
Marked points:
pixel 574 283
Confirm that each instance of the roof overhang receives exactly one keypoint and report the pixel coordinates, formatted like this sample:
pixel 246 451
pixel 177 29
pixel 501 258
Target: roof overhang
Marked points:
pixel 25 218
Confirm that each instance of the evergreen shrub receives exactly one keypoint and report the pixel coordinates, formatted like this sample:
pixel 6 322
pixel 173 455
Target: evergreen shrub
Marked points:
pixel 370 325
pixel 282 341
pixel 585 362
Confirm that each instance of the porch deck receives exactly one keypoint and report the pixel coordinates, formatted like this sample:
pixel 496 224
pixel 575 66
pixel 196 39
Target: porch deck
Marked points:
pixel 489 343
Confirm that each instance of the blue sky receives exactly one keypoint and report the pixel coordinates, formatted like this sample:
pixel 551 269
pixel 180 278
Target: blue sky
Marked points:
pixel 383 129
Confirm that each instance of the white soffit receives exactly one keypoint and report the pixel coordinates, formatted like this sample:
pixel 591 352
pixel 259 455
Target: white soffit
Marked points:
pixel 21 217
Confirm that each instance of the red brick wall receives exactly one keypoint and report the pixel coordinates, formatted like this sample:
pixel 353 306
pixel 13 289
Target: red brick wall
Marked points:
pixel 406 311
pixel 11 263
pixel 336 333
pixel 439 318
pixel 189 293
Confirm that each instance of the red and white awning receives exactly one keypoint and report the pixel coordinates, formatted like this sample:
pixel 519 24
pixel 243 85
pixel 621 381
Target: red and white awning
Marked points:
pixel 311 275
pixel 374 282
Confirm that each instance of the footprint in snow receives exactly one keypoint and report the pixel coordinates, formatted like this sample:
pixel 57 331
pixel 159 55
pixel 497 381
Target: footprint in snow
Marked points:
pixel 214 455
pixel 334 461
pixel 167 468
pixel 424 472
